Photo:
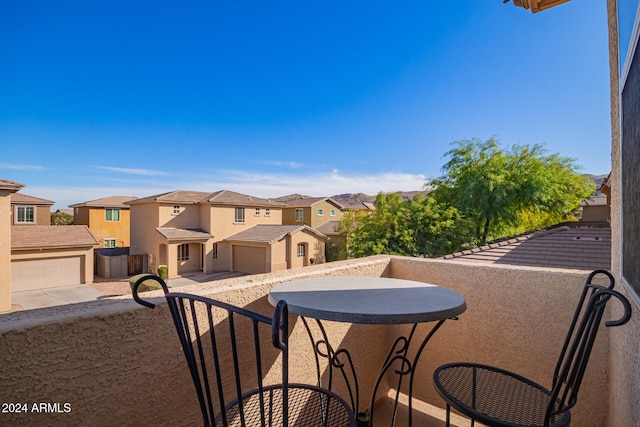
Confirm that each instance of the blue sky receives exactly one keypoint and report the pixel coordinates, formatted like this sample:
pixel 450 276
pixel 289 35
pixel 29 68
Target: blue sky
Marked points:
pixel 102 98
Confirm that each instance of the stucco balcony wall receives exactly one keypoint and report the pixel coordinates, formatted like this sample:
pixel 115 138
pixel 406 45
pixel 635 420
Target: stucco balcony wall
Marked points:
pixel 516 318
pixel 117 363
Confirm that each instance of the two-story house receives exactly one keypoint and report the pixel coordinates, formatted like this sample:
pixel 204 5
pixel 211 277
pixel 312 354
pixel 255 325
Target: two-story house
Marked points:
pixel 190 231
pixel 29 210
pixel 42 255
pixel 107 218
pixel 7 189
pixel 312 211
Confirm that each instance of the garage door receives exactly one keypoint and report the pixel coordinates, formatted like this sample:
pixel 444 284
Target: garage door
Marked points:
pixel 46 273
pixel 250 259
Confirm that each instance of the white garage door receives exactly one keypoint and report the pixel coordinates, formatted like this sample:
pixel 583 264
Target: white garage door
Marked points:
pixel 249 259
pixel 46 273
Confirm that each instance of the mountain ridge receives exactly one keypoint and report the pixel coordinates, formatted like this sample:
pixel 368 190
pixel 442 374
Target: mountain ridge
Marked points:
pixel 357 199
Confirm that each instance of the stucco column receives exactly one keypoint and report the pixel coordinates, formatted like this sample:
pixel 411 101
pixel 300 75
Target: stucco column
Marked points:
pixel 5 250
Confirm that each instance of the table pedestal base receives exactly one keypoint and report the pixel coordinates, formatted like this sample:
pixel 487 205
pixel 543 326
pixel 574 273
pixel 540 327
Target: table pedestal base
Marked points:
pixel 340 361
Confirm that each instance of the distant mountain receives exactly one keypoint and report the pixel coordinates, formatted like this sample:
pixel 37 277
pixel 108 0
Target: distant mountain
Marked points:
pixel 599 180
pixel 290 197
pixel 356 199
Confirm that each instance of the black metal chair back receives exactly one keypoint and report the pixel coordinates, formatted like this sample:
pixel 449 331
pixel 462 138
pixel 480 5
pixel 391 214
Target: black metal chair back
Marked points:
pixel 574 356
pixel 488 394
pixel 229 359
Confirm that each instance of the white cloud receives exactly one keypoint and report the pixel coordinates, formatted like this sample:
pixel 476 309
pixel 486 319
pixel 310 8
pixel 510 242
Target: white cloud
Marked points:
pixel 257 184
pixel 131 171
pixel 291 165
pixel 317 184
pixel 21 167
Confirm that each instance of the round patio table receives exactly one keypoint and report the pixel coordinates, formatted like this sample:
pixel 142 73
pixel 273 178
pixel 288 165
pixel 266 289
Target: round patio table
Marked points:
pixel 368 300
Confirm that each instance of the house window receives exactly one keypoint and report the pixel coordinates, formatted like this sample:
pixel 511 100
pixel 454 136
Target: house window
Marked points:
pixel 302 249
pixel 112 214
pixel 332 212
pixel 267 212
pixel 183 252
pixel 239 217
pixel 215 251
pixel 299 214
pixel 25 214
pixel 257 211
pixel 320 212
pixel 176 209
pixel 109 243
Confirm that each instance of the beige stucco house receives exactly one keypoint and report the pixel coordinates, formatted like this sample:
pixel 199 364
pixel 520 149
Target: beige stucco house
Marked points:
pixel 50 256
pixel 107 218
pixel 35 254
pixel 7 189
pixel 29 210
pixel 43 255
pixel 312 211
pixel 191 231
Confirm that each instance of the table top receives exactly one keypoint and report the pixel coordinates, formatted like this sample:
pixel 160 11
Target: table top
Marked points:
pixel 371 300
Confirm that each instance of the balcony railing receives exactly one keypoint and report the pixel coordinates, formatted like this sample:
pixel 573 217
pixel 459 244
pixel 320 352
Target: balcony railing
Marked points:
pixel 113 362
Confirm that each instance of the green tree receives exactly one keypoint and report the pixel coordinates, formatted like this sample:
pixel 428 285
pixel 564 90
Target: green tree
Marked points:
pixel 346 230
pixel 61 218
pixel 419 226
pixel 496 189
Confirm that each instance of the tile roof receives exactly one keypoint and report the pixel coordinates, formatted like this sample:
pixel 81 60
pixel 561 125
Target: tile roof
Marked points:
pixel 107 202
pixel 582 246
pixel 179 196
pixel 270 233
pixel 223 197
pixel 330 227
pixel 171 233
pixel 310 201
pixel 10 185
pixel 361 206
pixel 226 197
pixel 51 236
pixel 18 198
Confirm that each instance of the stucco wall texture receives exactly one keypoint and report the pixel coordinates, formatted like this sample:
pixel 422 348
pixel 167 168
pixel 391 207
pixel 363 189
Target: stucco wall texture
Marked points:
pixel 624 399
pixel 624 361
pixel 5 250
pixel 517 319
pixel 117 363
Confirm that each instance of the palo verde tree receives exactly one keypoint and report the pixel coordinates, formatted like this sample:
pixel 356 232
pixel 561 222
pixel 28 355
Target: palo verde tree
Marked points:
pixel 419 226
pixel 495 189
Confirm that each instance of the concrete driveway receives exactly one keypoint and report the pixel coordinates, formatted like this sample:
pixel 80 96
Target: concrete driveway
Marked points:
pixel 39 298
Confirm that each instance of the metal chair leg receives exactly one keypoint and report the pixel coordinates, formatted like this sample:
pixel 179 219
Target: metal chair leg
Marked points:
pixel 448 420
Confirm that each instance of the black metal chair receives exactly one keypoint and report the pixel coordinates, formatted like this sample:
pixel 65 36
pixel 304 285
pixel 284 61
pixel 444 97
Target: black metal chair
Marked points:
pixel 220 342
pixel 496 397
